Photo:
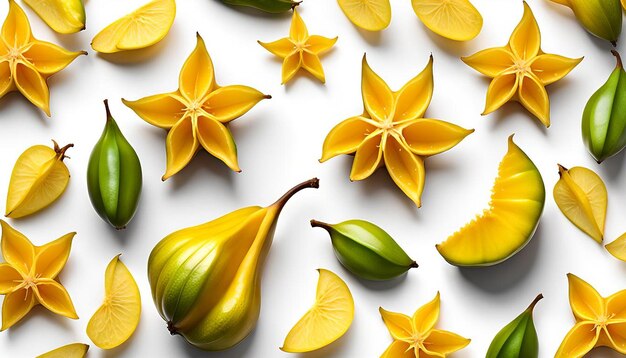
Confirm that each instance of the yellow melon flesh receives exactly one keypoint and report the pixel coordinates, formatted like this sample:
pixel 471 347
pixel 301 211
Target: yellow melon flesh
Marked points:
pixel 517 201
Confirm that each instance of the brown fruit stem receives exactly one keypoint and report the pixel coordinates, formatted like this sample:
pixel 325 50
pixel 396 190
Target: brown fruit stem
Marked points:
pixel 618 58
pixel 311 183
pixel 414 264
pixel 323 225
pixel 562 170
pixel 534 302
pixel 294 4
pixel 61 150
pixel 106 107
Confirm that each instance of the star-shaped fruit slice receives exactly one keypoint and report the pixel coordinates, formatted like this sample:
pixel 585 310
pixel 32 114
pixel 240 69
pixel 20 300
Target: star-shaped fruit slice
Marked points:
pixel 25 62
pixel 521 70
pixel 600 321
pixel 417 336
pixel 29 276
pixel 393 132
pixel 300 50
pixel 197 114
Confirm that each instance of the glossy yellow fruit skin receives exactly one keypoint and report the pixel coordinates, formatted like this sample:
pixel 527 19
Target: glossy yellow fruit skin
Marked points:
pixel 206 280
pixel 63 16
pixel 517 201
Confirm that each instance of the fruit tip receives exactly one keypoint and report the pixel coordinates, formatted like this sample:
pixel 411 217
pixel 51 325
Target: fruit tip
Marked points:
pixel 618 58
pixel 562 169
pixel 267 96
pixel 321 224
pixel 534 302
pixel 414 264
pixel 614 43
pixel 106 107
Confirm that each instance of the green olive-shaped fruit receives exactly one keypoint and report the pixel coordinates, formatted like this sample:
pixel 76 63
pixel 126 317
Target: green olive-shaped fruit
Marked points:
pixel 114 176
pixel 366 250
pixel 271 6
pixel 517 339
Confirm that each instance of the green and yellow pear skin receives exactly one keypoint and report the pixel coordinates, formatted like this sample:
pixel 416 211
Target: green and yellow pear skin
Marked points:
pixel 366 250
pixel 271 6
pixel 604 117
pixel 206 279
pixel 602 18
pixel 517 339
pixel 114 176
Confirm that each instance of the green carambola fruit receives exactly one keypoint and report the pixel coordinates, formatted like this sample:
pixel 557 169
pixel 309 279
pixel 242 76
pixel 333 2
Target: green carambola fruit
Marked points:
pixel 602 18
pixel 604 118
pixel 367 250
pixel 272 6
pixel 518 339
pixel 114 176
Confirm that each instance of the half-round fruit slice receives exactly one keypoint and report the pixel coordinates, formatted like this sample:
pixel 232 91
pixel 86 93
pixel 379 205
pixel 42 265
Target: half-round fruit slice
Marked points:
pixel 63 16
pixel 328 319
pixel 142 28
pixel 453 19
pixel 370 15
pixel 517 201
pixel 116 320
pixel 74 350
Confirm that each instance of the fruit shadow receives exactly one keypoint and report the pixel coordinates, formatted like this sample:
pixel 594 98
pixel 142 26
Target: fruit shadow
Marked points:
pixel 603 352
pixel 16 98
pixel 40 311
pixel 509 273
pixel 373 38
pixel 612 167
pixel 240 350
pixel 451 47
pixel 255 13
pixel 508 110
pixel 140 56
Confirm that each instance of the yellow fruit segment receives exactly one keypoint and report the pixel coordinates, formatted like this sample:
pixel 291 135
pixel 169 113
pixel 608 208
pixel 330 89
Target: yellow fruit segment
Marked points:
pixel 617 248
pixel 581 195
pixel 517 201
pixel 116 320
pixel 371 15
pixel 142 28
pixel 74 350
pixel 328 319
pixel 39 178
pixel 63 16
pixel 453 19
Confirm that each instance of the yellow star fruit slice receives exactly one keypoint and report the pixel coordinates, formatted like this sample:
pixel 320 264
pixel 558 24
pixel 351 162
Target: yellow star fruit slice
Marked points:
pixel 39 178
pixel 617 248
pixel 453 19
pixel 74 350
pixel 63 16
pixel 116 320
pixel 142 28
pixel 371 15
pixel 517 201
pixel 581 195
pixel 328 319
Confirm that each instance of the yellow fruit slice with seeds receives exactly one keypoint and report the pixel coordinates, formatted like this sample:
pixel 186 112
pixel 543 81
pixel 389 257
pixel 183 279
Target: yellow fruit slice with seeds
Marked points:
pixel 74 350
pixel 517 201
pixel 371 15
pixel 453 19
pixel 142 28
pixel 328 319
pixel 116 320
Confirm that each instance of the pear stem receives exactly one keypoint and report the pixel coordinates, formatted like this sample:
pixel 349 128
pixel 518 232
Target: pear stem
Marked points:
pixel 106 107
pixel 534 302
pixel 414 265
pixel 61 150
pixel 562 170
pixel 323 225
pixel 311 183
pixel 618 58
pixel 171 328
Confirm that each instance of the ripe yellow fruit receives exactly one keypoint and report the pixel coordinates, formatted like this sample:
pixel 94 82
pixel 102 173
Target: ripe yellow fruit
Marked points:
pixel 74 350
pixel 116 320
pixel 371 15
pixel 63 16
pixel 453 19
pixel 328 319
pixel 517 201
pixel 142 28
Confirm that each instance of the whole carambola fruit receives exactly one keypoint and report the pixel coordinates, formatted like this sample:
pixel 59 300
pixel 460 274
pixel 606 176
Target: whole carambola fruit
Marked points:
pixel 114 176
pixel 272 6
pixel 517 339
pixel 367 250
pixel 602 18
pixel 604 118
pixel 206 279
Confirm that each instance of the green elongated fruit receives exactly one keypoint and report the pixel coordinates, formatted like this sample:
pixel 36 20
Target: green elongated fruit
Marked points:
pixel 367 250
pixel 517 339
pixel 271 6
pixel 114 176
pixel 602 18
pixel 604 117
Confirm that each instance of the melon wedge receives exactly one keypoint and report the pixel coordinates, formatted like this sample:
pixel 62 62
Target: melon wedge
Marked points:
pixel 502 230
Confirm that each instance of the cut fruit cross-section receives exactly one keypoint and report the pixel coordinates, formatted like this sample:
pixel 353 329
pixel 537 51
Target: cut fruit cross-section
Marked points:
pixel 517 201
pixel 453 19
pixel 371 15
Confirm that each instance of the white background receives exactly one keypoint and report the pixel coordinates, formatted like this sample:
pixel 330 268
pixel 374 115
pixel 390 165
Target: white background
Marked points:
pixel 279 143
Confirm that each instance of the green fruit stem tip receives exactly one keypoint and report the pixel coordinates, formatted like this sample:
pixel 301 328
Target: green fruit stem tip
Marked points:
pixel 311 183
pixel 532 305
pixel 61 150
pixel 618 58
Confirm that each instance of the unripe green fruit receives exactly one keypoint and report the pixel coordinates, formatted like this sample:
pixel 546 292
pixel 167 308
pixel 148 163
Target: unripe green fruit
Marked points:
pixel 367 250
pixel 272 6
